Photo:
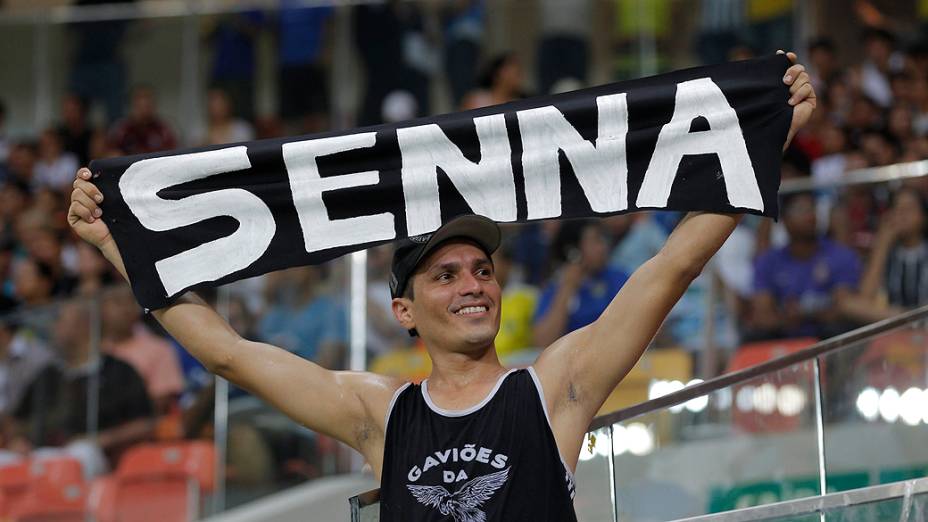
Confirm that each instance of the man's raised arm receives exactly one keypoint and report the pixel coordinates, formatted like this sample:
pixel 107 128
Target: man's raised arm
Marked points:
pixel 346 405
pixel 580 370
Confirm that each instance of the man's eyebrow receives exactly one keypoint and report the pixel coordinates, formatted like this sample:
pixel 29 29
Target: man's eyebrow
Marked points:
pixel 450 265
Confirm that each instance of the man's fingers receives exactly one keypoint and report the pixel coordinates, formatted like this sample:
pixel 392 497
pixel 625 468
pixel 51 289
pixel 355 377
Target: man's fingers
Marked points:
pixel 81 211
pixel 801 94
pixel 81 197
pixel 802 80
pixel 88 188
pixel 790 55
pixel 792 73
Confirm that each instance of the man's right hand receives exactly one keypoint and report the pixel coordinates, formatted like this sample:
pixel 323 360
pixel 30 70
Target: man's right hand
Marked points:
pixel 84 212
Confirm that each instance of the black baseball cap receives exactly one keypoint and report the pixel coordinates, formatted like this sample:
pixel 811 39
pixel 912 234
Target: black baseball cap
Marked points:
pixel 411 251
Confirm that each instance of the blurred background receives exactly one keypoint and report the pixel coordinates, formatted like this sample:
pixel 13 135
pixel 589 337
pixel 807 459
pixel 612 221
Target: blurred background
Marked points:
pixel 91 387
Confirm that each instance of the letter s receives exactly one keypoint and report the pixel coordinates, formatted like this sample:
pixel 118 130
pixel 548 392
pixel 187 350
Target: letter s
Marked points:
pixel 212 260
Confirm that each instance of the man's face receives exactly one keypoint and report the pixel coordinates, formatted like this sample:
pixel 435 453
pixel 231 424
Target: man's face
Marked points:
pixel 799 218
pixel 456 299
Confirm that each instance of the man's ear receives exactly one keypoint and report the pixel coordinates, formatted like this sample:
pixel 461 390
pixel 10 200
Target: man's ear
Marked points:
pixel 402 310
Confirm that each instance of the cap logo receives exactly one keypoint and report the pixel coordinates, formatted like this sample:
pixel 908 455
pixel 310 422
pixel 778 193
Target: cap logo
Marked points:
pixel 421 238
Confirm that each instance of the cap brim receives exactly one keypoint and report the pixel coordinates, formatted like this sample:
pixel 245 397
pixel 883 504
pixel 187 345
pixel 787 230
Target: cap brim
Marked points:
pixel 481 230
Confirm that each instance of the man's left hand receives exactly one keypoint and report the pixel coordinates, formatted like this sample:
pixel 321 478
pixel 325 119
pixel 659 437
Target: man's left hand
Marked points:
pixel 802 96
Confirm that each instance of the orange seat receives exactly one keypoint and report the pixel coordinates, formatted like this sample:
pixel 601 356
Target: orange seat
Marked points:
pixel 14 483
pixel 49 501
pixel 101 499
pixel 164 482
pixel 58 470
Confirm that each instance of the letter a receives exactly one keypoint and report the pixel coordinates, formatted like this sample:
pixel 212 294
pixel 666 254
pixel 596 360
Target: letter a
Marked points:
pixel 695 98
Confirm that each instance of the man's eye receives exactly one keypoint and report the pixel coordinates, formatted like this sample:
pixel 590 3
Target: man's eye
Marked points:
pixel 444 276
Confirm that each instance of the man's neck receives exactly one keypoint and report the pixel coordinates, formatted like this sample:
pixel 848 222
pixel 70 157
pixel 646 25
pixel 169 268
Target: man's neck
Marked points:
pixel 457 371
pixel 911 241
pixel 803 248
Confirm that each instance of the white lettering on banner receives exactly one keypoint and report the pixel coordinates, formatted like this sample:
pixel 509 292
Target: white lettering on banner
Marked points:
pixel 487 186
pixel 601 169
pixel 320 232
pixel 695 98
pixel 142 181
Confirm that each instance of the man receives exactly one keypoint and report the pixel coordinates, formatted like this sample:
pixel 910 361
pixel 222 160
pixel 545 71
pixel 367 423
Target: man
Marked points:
pixel 52 415
pixel 799 288
pixel 473 442
pixel 584 287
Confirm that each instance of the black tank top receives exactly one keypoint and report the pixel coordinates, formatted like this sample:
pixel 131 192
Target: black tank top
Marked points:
pixel 494 462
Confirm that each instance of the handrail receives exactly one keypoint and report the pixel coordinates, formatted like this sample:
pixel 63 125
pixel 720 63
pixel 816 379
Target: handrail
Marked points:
pixel 894 172
pixel 819 504
pixel 724 381
pixel 147 9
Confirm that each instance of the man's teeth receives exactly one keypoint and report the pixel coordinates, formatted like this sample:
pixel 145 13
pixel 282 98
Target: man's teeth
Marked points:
pixel 471 310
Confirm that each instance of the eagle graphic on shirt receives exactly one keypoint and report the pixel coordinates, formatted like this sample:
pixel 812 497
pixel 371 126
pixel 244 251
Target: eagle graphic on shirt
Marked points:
pixel 463 504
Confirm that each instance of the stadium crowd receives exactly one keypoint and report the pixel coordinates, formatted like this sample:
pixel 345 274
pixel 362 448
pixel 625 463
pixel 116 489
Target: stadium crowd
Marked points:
pixel 839 258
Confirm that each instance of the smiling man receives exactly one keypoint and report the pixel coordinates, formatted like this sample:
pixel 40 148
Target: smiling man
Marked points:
pixel 474 442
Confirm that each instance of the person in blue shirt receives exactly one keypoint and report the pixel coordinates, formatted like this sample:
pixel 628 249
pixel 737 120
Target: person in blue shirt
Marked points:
pixel 799 288
pixel 303 76
pixel 585 285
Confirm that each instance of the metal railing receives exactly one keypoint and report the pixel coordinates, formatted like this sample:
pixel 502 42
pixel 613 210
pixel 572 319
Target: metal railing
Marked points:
pixel 364 506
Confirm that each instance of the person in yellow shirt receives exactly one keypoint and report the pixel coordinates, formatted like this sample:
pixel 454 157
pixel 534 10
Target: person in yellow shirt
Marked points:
pixel 518 306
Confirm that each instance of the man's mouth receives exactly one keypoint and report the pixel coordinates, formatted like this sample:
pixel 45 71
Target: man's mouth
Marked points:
pixel 467 310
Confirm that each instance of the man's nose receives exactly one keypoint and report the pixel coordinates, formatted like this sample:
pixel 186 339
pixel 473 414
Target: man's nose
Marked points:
pixel 470 285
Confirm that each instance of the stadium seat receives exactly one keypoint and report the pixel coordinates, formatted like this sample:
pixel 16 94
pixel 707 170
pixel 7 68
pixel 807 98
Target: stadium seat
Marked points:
pixel 101 499
pixel 50 501
pixel 57 470
pixel 14 483
pixel 163 482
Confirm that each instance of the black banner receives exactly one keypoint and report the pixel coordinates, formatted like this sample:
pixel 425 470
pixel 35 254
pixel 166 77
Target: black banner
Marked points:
pixel 707 138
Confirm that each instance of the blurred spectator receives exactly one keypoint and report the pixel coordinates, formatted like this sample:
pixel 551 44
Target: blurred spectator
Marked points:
pixel 33 282
pixel 897 272
pixel 383 332
pixel 879 63
pixel 21 162
pixel 770 24
pixel 99 72
pixel 303 318
pixel 500 82
pixel 721 29
pixel 645 238
pixel 143 131
pixel 15 198
pixel 798 288
pixel 125 338
pixel 823 63
pixel 563 48
pixel 222 126
pixel 233 69
pixel 94 272
pixel 584 286
pixel 517 305
pixel 395 53
pixel 4 141
pixel 303 79
pixel 76 133
pixel 53 412
pixel 464 28
pixel 56 167
pixel 45 246
pixel 22 357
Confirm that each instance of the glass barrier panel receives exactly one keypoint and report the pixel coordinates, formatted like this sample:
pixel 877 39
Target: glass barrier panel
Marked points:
pixel 52 373
pixel 303 310
pixel 752 444
pixel 875 402
pixel 594 499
